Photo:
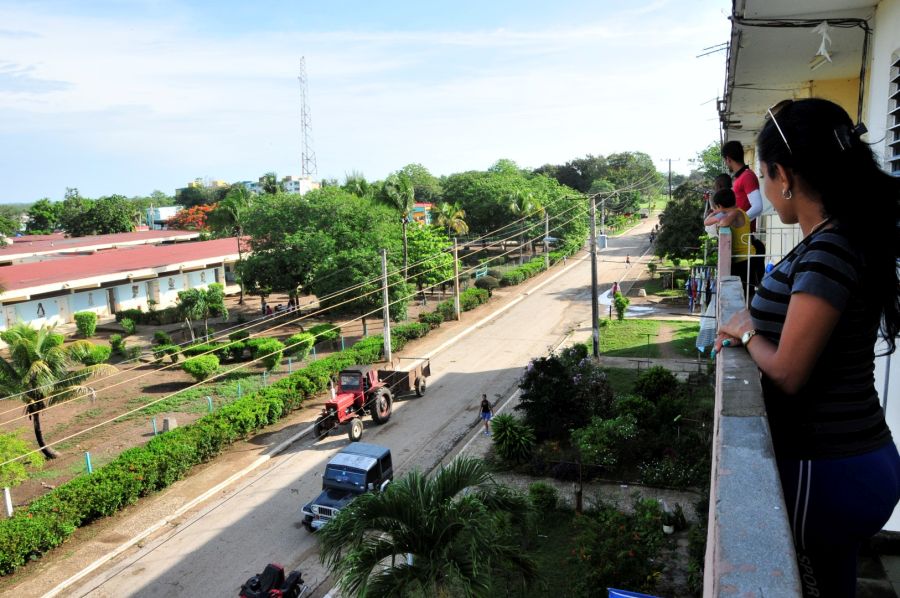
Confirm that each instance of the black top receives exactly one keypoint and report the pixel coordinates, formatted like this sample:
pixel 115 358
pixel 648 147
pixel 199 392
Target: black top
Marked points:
pixel 837 412
pixel 485 406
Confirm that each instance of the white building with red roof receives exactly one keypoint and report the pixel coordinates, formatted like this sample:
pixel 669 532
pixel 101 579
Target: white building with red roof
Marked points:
pixel 49 288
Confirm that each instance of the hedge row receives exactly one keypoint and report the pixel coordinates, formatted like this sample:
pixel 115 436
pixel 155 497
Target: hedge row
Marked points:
pixel 142 470
pixel 169 315
pixel 139 471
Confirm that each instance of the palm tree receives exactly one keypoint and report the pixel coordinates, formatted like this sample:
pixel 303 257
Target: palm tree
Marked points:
pixel 229 218
pixel 451 216
pixel 525 204
pixel 427 536
pixel 398 192
pixel 38 369
pixel 270 183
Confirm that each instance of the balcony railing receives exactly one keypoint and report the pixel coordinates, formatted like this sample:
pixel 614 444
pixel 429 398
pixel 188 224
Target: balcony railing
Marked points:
pixel 749 548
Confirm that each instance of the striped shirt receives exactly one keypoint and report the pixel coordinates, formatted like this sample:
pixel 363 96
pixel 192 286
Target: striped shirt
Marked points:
pixel 837 412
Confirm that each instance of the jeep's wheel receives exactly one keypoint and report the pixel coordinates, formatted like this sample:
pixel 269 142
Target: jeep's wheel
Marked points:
pixel 307 523
pixel 381 406
pixel 356 429
pixel 420 386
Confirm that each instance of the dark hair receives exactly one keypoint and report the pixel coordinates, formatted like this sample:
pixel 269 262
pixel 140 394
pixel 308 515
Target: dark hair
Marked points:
pixel 723 181
pixel 724 198
pixel 733 150
pixel 827 154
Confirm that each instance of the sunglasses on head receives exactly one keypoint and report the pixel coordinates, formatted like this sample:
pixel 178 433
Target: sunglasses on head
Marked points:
pixel 771 112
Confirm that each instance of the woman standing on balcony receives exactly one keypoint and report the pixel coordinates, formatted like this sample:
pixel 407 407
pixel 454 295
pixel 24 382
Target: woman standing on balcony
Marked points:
pixel 812 330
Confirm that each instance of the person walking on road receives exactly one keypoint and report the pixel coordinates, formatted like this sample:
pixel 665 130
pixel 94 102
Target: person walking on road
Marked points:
pixel 487 412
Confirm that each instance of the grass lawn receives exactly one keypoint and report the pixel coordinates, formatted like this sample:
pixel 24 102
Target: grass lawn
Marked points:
pixel 622 380
pixel 628 338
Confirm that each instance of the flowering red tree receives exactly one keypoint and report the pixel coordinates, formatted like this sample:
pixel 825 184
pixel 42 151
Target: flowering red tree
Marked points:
pixel 191 218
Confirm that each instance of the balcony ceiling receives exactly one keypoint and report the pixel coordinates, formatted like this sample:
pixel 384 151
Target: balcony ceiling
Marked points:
pixel 769 64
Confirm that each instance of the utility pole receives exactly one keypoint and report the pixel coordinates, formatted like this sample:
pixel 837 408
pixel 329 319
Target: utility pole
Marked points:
pixel 546 240
pixel 307 155
pixel 456 277
pixel 670 179
pixel 595 315
pixel 386 312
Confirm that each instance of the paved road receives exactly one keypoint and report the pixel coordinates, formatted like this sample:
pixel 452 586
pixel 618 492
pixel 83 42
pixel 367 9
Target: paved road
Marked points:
pixel 217 548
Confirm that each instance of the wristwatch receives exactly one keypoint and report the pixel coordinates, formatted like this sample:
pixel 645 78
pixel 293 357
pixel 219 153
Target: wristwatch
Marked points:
pixel 745 338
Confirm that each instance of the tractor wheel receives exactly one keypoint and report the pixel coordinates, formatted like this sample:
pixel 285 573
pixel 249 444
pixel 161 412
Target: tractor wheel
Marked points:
pixel 420 386
pixel 356 429
pixel 381 406
pixel 320 430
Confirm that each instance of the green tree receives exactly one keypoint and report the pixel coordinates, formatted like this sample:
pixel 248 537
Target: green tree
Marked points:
pixel 437 540
pixel 681 223
pixel 228 219
pixel 450 215
pixel 356 183
pixel 190 197
pixel 399 193
pixel 709 163
pixel 525 206
pixel 14 473
pixel 426 186
pixel 202 304
pixel 270 183
pixel 432 264
pixel 43 217
pixel 37 369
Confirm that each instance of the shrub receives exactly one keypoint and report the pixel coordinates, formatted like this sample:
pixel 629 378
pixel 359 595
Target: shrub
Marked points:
pixel 219 349
pixel 173 351
pixel 97 355
pixel 299 345
pixel 654 383
pixel 446 309
pixel 139 471
pixel 432 318
pixel 201 367
pixel 621 302
pixel 161 337
pixel 369 349
pixel 616 549
pixel 117 343
pixel 133 353
pixel 235 350
pixel 325 332
pixel 602 441
pixel 495 273
pixel 410 331
pixel 512 277
pixel 673 473
pixel 271 352
pixel 128 326
pixel 254 343
pixel 513 439
pixel 239 335
pixel 543 496
pixel 86 322
pixel 488 283
pixel 472 298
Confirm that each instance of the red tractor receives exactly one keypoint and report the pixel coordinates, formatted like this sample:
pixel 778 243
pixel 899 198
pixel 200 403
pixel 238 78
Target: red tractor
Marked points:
pixel 359 391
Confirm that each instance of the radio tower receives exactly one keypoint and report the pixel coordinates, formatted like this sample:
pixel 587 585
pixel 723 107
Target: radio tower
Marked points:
pixel 307 155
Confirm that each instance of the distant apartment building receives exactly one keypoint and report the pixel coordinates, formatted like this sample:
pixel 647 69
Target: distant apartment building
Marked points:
pixel 157 217
pixel 289 184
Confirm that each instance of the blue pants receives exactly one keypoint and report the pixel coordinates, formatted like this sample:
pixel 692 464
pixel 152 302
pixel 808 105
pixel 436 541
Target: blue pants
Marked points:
pixel 833 505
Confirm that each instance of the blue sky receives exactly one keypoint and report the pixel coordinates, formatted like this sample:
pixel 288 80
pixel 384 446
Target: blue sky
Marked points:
pixel 128 96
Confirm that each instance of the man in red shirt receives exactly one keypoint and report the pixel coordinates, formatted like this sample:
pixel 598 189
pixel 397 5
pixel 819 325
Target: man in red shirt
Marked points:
pixel 748 198
pixel 746 185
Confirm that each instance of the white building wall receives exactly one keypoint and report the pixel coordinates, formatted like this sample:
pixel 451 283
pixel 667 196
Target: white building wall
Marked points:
pixel 201 279
pixel 131 296
pixel 95 301
pixel 169 286
pixel 885 47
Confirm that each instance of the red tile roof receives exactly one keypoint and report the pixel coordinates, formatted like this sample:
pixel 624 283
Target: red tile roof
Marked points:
pixel 56 243
pixel 61 269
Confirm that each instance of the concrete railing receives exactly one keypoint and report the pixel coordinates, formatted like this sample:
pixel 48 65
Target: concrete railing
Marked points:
pixel 749 549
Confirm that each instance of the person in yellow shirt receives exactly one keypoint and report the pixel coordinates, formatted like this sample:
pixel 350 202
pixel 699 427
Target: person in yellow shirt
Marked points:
pixel 725 213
